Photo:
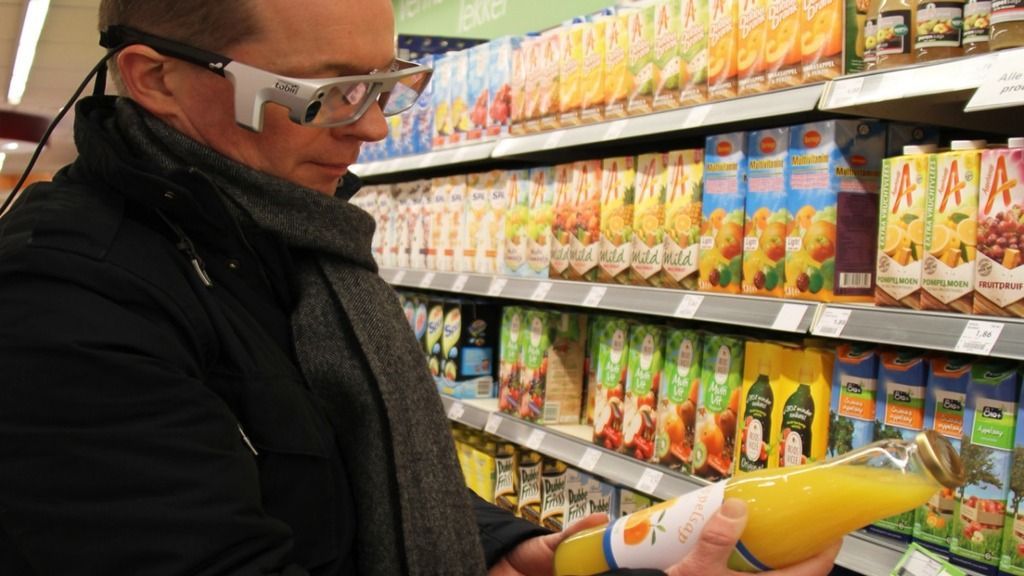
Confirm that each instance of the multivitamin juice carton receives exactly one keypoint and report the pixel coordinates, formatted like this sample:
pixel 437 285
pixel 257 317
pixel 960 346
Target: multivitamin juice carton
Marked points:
pixel 725 191
pixel 552 366
pixel 510 359
pixel 460 98
pixel 564 225
pixel 617 77
pixel 641 61
pixel 806 390
pixel 767 214
pixel 718 406
pixel 640 417
pixel 585 238
pixel 677 398
pixel 667 38
pixel 571 73
pixel 750 54
pixel 617 194
pixel 478 83
pixel 517 221
pixel 693 52
pixel 550 66
pixel 760 395
pixel 683 218
pixel 854 398
pixel 554 475
pixel 538 228
pixel 499 78
pixel 592 76
pixel 1011 561
pixel 782 47
pixel 649 219
pixel 528 498
pixel 1000 268
pixel 612 370
pixel 723 42
pixel 469 339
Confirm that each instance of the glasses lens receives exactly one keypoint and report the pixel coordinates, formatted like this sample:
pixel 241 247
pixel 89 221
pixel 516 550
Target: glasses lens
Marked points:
pixel 404 94
pixel 341 102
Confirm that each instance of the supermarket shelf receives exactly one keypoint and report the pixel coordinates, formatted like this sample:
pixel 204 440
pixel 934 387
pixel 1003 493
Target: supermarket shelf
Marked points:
pixel 766 313
pixel 419 162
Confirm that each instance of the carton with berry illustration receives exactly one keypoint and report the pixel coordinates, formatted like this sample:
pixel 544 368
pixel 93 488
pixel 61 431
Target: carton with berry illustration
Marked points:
pixel 767 215
pixel 678 398
pixel 478 86
pixel 640 416
pixel 683 218
pixel 553 352
pixel 612 371
pixel 725 191
pixel 585 223
pixel 1000 268
pixel 564 225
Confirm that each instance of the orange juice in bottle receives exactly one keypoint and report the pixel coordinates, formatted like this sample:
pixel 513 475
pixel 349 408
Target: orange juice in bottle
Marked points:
pixel 750 55
pixel 782 46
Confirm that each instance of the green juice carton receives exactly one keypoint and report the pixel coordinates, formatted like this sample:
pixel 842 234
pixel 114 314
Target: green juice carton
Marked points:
pixel 528 498
pixel 683 218
pixel 725 192
pixel 852 418
pixel 640 417
pixel 718 406
pixel 564 225
pixel 538 229
pixel 612 371
pixel 631 501
pixel 510 362
pixel 693 52
pixel 1011 561
pixel 678 398
pixel 552 366
pixel 980 515
pixel 945 406
pixel 469 339
pixel 585 495
pixel 640 61
pixel 667 38
pixel 517 222
pixel 767 215
pixel 618 189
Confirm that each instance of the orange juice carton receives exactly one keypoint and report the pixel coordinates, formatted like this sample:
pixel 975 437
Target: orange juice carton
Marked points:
pixel 782 45
pixel 517 221
pixel 469 339
pixel 538 229
pixel 617 77
pixel 441 84
pixel 693 52
pixel 554 475
pixel 460 98
pixel 564 224
pixel 534 69
pixel 640 417
pixel 802 405
pixel 510 358
pixel 570 73
pixel 832 193
pixel 612 370
pixel 944 408
pixel 999 275
pixel 585 239
pixel 592 91
pixel 451 259
pixel 683 218
pixel 1011 561
pixel 552 367
pixel 517 88
pixel 723 43
pixel 901 226
pixel 586 495
pixel 717 406
pixel 438 205
pixel 548 108
pixel 506 477
pixel 757 444
pixel 900 407
pixel 649 220
pixel 478 82
pixel 677 398
pixel 499 85
pixel 979 516
pixel 951 228
pixel 631 501
pixel 419 205
pixel 725 192
pixel 617 192
pixel 854 398
pixel 475 212
pixel 767 214
pixel 750 53
pixel 641 65
pixel 667 38
pixel 528 499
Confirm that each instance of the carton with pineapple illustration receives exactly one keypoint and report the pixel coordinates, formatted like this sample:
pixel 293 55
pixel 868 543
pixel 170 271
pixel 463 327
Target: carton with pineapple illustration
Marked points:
pixel 1000 267
pixel 649 220
pixel 564 224
pixel 538 229
pixel 782 44
pixel 767 214
pixel 617 78
pixel 640 416
pixel 517 220
pixel 612 369
pixel 718 406
pixel 678 399
pixel 725 191
pixel 592 77
pixel 585 241
pixel 641 61
pixel 750 54
pixel 570 81
pixel 667 37
pixel 683 218
pixel 441 84
pixel 548 106
pixel 723 43
pixel 460 98
pixel 478 92
pixel 617 195
pixel 693 52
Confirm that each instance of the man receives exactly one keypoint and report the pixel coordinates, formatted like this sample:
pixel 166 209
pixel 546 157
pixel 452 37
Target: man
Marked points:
pixel 202 373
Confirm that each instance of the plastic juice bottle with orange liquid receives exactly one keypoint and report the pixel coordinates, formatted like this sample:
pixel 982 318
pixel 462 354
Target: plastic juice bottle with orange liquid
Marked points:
pixel 876 481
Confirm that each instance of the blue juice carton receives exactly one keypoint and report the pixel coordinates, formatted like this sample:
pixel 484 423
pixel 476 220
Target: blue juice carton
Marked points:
pixel 767 214
pixel 469 339
pixel 722 213
pixel 499 79
pixel 442 126
pixel 478 84
pixel 854 398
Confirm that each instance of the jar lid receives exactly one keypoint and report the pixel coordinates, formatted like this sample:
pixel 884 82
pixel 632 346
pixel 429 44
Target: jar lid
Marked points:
pixel 968 145
pixel 941 459
pixel 1015 143
pixel 920 149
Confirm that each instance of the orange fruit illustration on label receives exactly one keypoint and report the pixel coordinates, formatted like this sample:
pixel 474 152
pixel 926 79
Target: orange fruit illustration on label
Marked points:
pixel 820 240
pixel 638 526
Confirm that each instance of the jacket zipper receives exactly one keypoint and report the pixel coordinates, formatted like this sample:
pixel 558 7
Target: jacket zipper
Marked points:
pixel 248 442
pixel 186 247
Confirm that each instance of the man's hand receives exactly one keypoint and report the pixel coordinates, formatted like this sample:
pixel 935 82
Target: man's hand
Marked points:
pixel 536 556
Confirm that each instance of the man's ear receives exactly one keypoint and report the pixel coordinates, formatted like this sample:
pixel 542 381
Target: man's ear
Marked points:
pixel 149 78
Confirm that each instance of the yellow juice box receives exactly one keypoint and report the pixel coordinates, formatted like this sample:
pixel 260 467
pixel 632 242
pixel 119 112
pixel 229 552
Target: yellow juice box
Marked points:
pixel 490 230
pixel 804 405
pixel 901 224
pixel 951 228
pixel 592 91
pixel 437 207
pixel 649 219
pixel 782 45
pixel 682 218
pixel 617 79
pixel 767 217
pixel 585 240
pixel 564 225
pixel 517 221
pixel 717 407
pixel 677 398
pixel 693 52
pixel 757 445
pixel 641 61
pixel 725 191
pixel 667 38
pixel 723 43
pixel 570 79
pixel 460 98
pixel 476 212
pixel 451 258
pixel 1000 276
pixel 617 193
pixel 517 89
pixel 441 83
pixel 548 107
pixel 750 54
pixel 542 214
pixel 529 496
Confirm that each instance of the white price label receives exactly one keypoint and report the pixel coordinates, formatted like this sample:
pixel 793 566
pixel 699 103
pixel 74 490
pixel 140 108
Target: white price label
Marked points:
pixel 649 481
pixel 1003 85
pixel 535 439
pixel 497 286
pixel 979 337
pixel 541 292
pixel 688 306
pixel 460 283
pixel 553 140
pixel 589 459
pixel 594 297
pixel 615 129
pixel 428 280
pixel 832 322
pixel 789 318
pixel 845 92
pixel 493 423
pixel 399 276
pixel 697 116
pixel 456 411
pixel 460 155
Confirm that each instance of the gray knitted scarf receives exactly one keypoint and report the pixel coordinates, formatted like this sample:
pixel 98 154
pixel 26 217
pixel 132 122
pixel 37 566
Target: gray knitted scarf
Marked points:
pixel 356 350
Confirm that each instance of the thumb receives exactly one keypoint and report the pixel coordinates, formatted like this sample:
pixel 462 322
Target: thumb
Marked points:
pixel 716 543
pixel 592 521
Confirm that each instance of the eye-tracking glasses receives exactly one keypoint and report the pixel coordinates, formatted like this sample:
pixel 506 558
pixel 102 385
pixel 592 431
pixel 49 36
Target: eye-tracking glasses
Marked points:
pixel 321 102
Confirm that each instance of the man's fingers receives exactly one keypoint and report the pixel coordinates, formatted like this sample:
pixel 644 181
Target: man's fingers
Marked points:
pixel 716 543
pixel 592 521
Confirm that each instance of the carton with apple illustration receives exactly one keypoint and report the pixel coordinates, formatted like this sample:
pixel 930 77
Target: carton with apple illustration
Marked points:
pixel 852 418
pixel 640 416
pixel 551 378
pixel 683 218
pixel 510 360
pixel 725 191
pixel 667 39
pixel 678 398
pixel 612 371
pixel 767 215
pixel 718 406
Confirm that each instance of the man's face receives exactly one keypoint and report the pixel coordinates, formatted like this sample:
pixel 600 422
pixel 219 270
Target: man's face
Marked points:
pixel 310 39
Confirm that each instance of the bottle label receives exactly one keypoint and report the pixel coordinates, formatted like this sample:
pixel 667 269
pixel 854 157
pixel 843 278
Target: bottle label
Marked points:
pixel 870 41
pixel 939 24
pixel 893 33
pixel 977 16
pixel 1004 11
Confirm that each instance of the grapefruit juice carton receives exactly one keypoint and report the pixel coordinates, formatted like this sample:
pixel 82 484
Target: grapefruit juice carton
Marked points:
pixel 666 54
pixel 552 367
pixel 592 77
pixel 683 218
pixel 718 405
pixel 564 224
pixel 649 220
pixel 585 237
pixel 612 370
pixel 516 222
pixel 725 190
pixel 1011 561
pixel 693 52
pixel 677 398
pixel 723 43
pixel 570 74
pixel 617 79
pixel 854 398
pixel 641 65
pixel 782 44
pixel 640 416
pixel 542 215
pixel 510 360
pixel 750 54
pixel 617 193
pixel 756 447
pixel 1000 274
pixel 767 215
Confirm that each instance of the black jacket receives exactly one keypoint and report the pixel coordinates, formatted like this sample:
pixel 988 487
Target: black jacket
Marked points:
pixel 152 416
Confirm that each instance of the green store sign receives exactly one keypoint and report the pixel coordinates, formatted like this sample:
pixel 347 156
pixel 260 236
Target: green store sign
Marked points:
pixel 487 19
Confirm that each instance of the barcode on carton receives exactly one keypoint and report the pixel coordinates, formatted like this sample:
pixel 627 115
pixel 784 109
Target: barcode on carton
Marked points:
pixel 485 388
pixel 850 280
pixel 551 411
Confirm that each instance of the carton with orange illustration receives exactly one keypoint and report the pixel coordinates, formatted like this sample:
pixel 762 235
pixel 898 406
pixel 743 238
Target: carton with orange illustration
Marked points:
pixel 593 73
pixel 951 228
pixel 549 104
pixel 564 224
pixel 833 195
pixel 750 54
pixel 725 191
pixel 570 74
pixel 831 38
pixel 678 398
pixel 682 218
pixel 649 220
pixel 782 46
pixel 585 240
pixel 538 229
pixel 767 218
pixel 612 334
pixel 693 52
pixel 667 39
pixel 1000 272
pixel 718 406
pixel 517 219
pixel 617 78
pixel 723 43
pixel 640 61
pixel 617 194
pixel 901 224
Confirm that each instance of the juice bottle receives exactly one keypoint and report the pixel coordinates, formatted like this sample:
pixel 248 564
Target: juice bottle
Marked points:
pixel 812 506
pixel 977 19
pixel 894 44
pixel 999 285
pixel 797 419
pixel 871 36
pixel 1007 24
pixel 938 27
pixel 757 406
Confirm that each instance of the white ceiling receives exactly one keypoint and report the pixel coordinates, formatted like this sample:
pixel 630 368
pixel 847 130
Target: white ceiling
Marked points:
pixel 68 49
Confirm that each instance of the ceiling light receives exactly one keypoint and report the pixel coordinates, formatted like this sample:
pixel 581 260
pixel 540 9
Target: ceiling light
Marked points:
pixel 35 17
pixel 11 146
pixel 2 158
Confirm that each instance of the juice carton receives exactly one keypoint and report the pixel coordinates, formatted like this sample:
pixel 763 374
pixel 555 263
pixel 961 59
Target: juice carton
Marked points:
pixel 693 52
pixel 717 406
pixel 529 496
pixel 552 367
pixel 402 223
pixel 517 89
pixel 750 53
pixel 833 194
pixel 506 477
pixel 478 81
pixel 451 258
pixel 617 77
pixel 640 417
pixel 782 47
pixel 725 191
pixel 649 220
pixel 806 388
pixel 585 238
pixel 759 396
pixel 594 329
pixel 1000 275
pixel 460 98
pixel 441 84
pixel 592 76
pixel 902 380
pixel 570 80
pixel 723 43
pixel 951 229
pixel 438 208
pixel 517 221
pixel 641 61
pixel 387 222
pixel 510 359
pixel 631 501
pixel 554 475
pixel 1011 561
pixel 485 454
pixel 550 65
pixel 667 37
pixel 534 69
pixel 586 495
pixel 419 320
pixel 612 370
pixel 542 216
pixel 899 134
pixel 980 515
pixel 423 131
pixel 420 208
pixel 901 224
pixel 432 338
pixel 944 409
pixel 468 341
pixel 564 224
pixel 854 398
pixel 499 87
pixel 683 218
pixel 767 217
pixel 677 398
pixel 491 232
pixel 476 212
pixel 617 192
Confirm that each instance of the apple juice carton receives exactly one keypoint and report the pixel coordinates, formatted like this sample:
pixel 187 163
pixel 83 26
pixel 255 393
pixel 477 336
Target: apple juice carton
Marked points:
pixel 834 169
pixel 667 38
pixel 1000 276
pixel 767 215
pixel 617 192
pixel 586 495
pixel 542 216
pixel 649 220
pixel 717 406
pixel 517 220
pixel 460 98
pixel 641 61
pixel 640 417
pixel 510 358
pixel 552 367
pixel 554 476
pixel 854 398
pixel 683 218
pixel 564 224
pixel 782 45
pixel 528 498
pixel 944 409
pixel 806 392
pixel 723 43
pixel 617 78
pixel 693 52
pixel 979 517
pixel 750 53
pixel 475 213
pixel 612 370
pixel 585 240
pixel 677 398
pixel 441 84
pixel 1011 561
pixel 725 191
pixel 900 407
pixel 550 66
pixel 901 225
pixel 592 75
pixel 631 501
pixel 506 477
pixel 951 228
pixel 468 345
pixel 478 90
pixel 570 80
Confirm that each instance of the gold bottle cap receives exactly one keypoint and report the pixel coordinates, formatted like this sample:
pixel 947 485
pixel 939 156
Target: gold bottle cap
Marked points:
pixel 941 459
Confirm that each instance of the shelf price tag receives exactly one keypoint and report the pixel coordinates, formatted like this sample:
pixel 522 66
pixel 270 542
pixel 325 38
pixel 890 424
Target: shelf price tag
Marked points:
pixel 497 286
pixel 789 318
pixel 428 280
pixel 979 337
pixel 649 481
pixel 541 292
pixel 1002 87
pixel 553 140
pixel 615 129
pixel 460 155
pixel 535 439
pixel 845 92
pixel 832 322
pixel 493 423
pixel 456 411
pixel 398 277
pixel 460 283
pixel 589 459
pixel 425 161
pixel 594 297
pixel 697 116
pixel 688 306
